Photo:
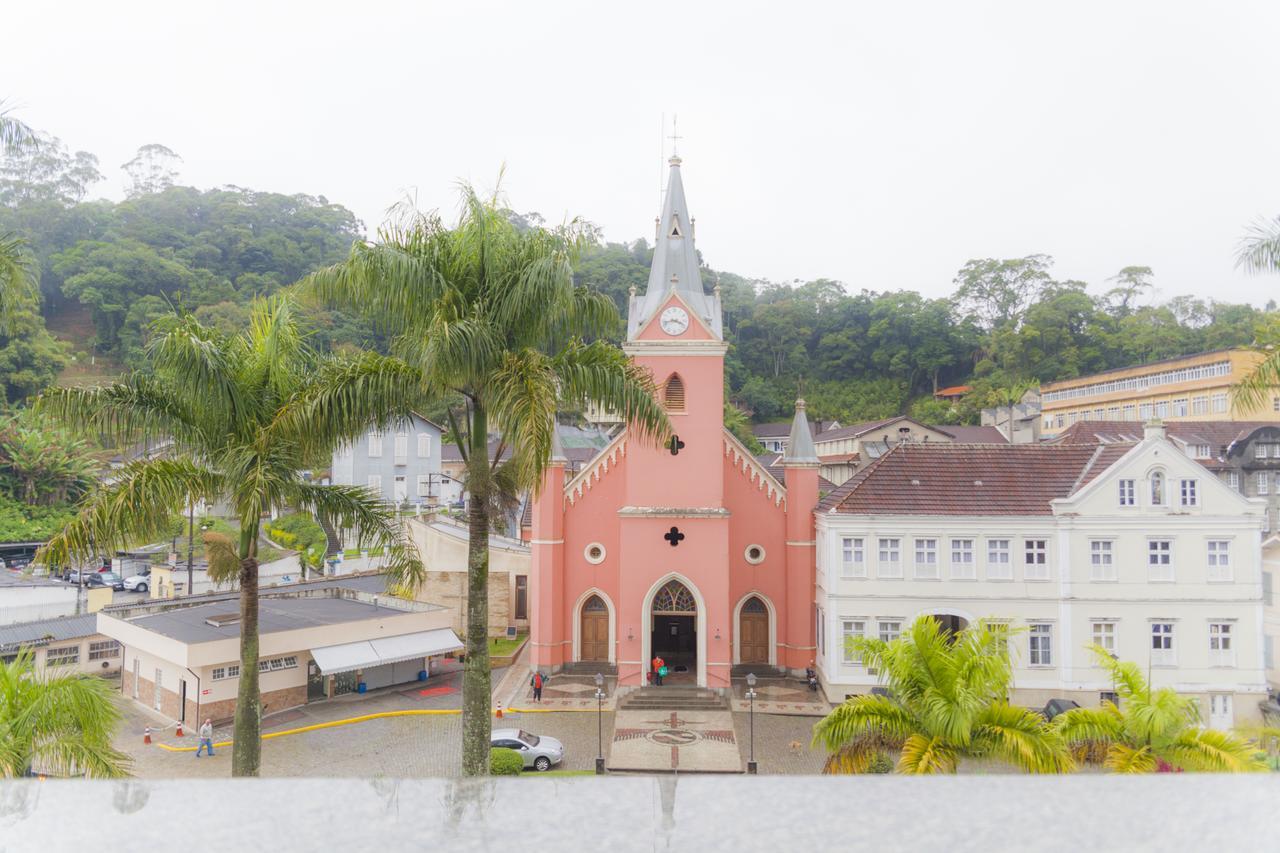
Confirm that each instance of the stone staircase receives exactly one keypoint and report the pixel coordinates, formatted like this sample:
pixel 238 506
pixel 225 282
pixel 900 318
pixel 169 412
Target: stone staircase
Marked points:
pixel 673 698
pixel 589 668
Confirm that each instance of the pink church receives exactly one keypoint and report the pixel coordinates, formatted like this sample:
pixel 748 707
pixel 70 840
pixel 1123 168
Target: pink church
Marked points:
pixel 692 551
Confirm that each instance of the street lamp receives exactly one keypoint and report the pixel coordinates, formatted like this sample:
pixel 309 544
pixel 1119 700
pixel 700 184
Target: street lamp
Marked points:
pixel 751 699
pixel 599 724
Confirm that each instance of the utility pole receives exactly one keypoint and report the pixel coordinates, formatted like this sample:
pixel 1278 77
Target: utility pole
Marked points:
pixel 191 530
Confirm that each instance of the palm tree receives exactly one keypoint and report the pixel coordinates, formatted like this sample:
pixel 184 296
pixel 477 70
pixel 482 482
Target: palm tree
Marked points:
pixel 489 311
pixel 1259 252
pixel 57 722
pixel 17 272
pixel 1151 730
pixel 1009 396
pixel 946 701
pixel 247 415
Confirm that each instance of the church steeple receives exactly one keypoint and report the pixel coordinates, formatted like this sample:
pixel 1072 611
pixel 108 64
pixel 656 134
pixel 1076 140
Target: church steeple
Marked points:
pixel 675 264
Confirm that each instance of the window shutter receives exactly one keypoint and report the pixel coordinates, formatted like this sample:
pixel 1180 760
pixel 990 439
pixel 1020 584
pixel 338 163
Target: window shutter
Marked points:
pixel 673 396
pixel 424 445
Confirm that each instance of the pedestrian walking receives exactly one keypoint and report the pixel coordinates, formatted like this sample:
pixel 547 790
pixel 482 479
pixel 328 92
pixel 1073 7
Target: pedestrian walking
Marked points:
pixel 206 737
pixel 536 681
pixel 658 666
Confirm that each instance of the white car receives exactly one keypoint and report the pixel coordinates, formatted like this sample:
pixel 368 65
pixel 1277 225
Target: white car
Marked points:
pixel 138 583
pixel 538 752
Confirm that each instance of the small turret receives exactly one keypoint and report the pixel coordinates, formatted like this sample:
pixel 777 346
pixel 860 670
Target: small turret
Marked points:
pixel 800 449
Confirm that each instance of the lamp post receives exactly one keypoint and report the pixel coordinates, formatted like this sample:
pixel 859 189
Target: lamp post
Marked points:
pixel 751 699
pixel 599 724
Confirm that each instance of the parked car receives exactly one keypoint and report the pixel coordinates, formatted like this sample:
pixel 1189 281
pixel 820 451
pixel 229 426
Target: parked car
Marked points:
pixel 110 579
pixel 538 752
pixel 141 582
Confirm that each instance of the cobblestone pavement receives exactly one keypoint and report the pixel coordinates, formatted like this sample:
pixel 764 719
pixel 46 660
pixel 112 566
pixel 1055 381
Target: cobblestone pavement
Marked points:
pixel 781 696
pixel 782 743
pixel 566 692
pixel 407 747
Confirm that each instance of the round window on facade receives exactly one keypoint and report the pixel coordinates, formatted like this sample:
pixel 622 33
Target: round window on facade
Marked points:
pixel 594 553
pixel 754 555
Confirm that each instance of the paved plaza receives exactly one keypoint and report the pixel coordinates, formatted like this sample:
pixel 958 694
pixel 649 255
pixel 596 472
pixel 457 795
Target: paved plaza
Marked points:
pixel 701 741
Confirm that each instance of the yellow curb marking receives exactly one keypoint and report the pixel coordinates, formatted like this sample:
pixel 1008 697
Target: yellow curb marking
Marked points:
pixel 415 712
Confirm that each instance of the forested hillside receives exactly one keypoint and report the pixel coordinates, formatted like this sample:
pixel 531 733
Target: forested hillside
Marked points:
pixel 109 269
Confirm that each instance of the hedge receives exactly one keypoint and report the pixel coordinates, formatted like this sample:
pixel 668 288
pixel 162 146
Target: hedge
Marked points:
pixel 505 762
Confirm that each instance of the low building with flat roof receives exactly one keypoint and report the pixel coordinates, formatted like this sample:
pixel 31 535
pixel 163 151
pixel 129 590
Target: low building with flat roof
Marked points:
pixel 182 657
pixel 63 642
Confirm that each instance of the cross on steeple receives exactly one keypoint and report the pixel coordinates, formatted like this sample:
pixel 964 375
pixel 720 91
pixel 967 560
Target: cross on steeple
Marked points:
pixel 675 137
pixel 673 536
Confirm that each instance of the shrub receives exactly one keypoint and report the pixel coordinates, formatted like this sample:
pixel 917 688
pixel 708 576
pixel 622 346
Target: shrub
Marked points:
pixel 505 762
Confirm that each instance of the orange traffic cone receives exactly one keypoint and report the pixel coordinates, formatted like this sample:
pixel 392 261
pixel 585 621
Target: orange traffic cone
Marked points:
pixel 499 712
pixel 146 738
pixel 179 731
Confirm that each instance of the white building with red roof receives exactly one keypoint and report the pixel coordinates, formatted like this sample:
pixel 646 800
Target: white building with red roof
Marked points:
pixel 1133 546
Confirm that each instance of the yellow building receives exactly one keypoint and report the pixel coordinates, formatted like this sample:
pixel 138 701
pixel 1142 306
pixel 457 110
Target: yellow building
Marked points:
pixel 1194 387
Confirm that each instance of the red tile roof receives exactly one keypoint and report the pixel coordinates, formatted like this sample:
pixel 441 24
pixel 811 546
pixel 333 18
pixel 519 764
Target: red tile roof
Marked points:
pixel 953 391
pixel 969 479
pixel 1218 435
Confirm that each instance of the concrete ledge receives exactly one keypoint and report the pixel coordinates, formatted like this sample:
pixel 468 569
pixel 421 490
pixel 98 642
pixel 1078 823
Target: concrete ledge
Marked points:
pixel 1165 812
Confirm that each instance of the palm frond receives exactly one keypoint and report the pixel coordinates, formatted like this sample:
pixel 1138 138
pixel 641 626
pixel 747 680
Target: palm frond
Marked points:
pixel 137 507
pixel 1081 726
pixel 1259 250
pixel 223 556
pixel 600 374
pixel 18 278
pixel 372 523
pixel 1256 388
pixel 860 716
pixel 1215 752
pixel 1122 758
pixel 123 413
pixel 923 756
pixel 1023 739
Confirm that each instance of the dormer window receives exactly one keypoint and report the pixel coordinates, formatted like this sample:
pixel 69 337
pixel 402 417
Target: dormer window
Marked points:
pixel 673 394
pixel 1157 489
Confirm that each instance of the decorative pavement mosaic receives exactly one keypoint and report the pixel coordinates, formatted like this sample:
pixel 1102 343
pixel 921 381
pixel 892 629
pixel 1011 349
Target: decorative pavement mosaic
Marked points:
pixel 686 741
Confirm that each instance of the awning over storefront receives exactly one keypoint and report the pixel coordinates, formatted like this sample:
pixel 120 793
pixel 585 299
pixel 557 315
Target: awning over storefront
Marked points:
pixel 370 653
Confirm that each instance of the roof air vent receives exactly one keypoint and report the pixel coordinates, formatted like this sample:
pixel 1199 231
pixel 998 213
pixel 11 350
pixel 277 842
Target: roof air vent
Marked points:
pixel 222 620
pixel 977 482
pixel 915 482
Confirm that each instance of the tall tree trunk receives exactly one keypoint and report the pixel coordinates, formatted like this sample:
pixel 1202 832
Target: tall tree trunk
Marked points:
pixel 476 687
pixel 246 751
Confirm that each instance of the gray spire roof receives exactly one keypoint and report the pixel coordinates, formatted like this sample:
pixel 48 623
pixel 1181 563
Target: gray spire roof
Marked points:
pixel 557 446
pixel 800 443
pixel 675 264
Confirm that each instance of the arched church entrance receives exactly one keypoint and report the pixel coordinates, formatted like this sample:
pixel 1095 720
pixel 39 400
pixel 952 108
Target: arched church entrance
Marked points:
pixel 675 631
pixel 753 631
pixel 594 636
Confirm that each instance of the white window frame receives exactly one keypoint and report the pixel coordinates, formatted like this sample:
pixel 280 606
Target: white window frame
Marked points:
pixel 1189 492
pixel 1102 564
pixel 850 628
pixel 1200 405
pixel 424 445
pixel 1160 560
pixel 1222 650
pixel 375 444
pixel 1219 403
pixel 1104 634
pixel 104 649
pixel 1263 482
pixel 1128 493
pixel 1233 480
pixel 1260 450
pixel 887 567
pixel 374 485
pixel 999 559
pixel 888 630
pixel 401 448
pixel 853 556
pixel 1040 654
pixel 1218 559
pixel 1163 649
pixel 424 485
pixel 62 655
pixel 1158 489
pixel 963 563
pixel 1035 559
pixel 926 558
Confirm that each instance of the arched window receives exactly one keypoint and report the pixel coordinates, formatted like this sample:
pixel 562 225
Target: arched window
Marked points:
pixel 1157 489
pixel 673 394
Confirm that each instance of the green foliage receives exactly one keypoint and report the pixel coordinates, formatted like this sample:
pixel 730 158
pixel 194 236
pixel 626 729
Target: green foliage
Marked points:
pixel 927 410
pixel 23 522
pixel 505 762
pixel 1152 730
pixel 41 463
pixel 56 721
pixel 736 421
pixel 947 701
pixel 302 533
pixel 30 358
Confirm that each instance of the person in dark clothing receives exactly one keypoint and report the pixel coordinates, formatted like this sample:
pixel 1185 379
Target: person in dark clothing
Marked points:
pixel 536 681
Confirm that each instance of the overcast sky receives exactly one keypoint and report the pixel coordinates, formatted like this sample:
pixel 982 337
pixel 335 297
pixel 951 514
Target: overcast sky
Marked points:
pixel 881 144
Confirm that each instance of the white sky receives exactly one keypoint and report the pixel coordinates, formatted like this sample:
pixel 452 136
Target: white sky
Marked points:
pixel 881 144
